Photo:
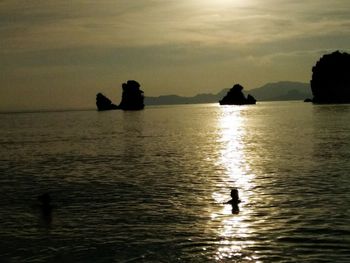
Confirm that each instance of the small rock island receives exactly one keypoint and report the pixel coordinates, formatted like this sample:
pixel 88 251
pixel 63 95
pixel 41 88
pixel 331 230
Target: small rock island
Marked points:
pixel 330 81
pixel 235 96
pixel 104 103
pixel 132 98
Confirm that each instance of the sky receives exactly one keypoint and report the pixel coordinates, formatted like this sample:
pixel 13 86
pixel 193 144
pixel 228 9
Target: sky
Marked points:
pixel 59 54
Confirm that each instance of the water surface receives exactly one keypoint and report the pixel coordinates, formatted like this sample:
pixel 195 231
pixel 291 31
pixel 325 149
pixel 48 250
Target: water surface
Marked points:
pixel 149 186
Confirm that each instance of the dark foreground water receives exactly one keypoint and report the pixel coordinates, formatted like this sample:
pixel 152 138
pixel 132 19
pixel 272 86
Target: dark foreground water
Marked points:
pixel 149 186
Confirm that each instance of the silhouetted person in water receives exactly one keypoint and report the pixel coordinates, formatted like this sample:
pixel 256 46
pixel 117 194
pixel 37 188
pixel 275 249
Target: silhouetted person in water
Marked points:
pixel 46 207
pixel 234 201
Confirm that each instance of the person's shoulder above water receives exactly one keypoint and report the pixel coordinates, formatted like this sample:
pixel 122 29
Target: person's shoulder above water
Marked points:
pixel 235 197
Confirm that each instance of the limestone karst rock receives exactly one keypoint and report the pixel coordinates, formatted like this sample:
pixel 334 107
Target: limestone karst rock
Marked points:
pixel 250 99
pixel 132 98
pixel 235 96
pixel 103 103
pixel 330 81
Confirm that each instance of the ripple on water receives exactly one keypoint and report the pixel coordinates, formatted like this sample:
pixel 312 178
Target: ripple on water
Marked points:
pixel 150 186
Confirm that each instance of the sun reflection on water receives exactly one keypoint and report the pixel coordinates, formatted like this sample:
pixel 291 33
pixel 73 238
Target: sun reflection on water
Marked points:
pixel 234 229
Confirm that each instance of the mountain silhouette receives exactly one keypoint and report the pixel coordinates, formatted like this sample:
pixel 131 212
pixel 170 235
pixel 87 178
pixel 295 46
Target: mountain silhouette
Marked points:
pixel 284 90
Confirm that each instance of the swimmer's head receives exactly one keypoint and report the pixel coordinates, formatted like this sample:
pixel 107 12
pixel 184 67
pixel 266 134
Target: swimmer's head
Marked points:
pixel 45 199
pixel 234 194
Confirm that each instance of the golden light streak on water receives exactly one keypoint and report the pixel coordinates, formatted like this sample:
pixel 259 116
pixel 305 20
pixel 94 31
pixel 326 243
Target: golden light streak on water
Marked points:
pixel 234 229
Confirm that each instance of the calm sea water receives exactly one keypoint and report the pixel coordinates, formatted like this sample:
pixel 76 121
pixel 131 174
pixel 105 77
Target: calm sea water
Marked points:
pixel 149 186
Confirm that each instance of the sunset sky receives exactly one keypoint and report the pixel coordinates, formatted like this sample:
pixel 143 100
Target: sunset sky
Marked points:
pixel 59 54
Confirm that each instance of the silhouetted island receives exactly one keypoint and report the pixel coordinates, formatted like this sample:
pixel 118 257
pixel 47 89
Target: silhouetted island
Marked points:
pixel 132 98
pixel 276 91
pixel 104 103
pixel 235 96
pixel 330 81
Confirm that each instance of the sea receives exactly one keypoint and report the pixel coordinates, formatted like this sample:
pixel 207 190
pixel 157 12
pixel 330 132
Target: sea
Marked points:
pixel 151 185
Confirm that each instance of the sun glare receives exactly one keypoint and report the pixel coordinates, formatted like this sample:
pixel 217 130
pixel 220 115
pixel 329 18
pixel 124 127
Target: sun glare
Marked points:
pixel 233 158
pixel 232 152
pixel 222 3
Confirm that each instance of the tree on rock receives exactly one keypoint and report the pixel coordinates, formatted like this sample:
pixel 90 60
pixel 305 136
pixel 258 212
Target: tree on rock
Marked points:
pixel 132 98
pixel 330 81
pixel 235 96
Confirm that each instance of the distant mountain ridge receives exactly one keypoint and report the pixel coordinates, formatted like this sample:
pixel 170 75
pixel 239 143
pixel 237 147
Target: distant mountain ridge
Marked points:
pixel 283 90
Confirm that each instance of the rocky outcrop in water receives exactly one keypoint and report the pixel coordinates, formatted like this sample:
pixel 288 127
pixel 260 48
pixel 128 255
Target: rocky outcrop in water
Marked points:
pixel 250 99
pixel 103 103
pixel 132 98
pixel 235 96
pixel 330 81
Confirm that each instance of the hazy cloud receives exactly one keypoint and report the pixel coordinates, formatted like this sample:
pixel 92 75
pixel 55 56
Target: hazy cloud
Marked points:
pixel 159 40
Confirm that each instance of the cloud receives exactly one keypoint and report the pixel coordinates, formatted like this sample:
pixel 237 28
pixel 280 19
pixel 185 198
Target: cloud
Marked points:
pixel 160 43
pixel 38 25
